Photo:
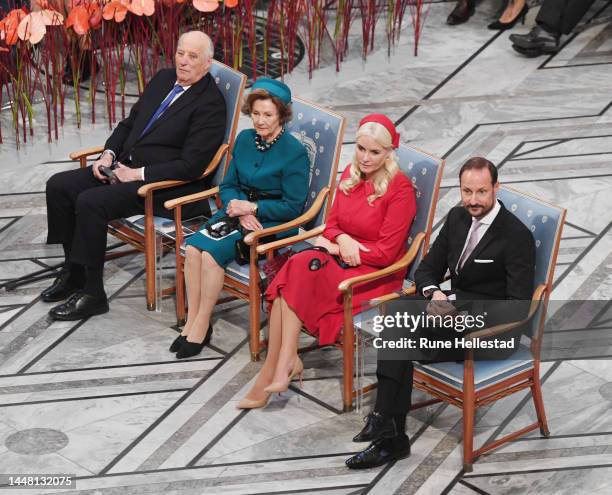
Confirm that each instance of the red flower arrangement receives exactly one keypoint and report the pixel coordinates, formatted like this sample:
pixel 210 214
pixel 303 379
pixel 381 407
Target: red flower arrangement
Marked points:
pixel 110 34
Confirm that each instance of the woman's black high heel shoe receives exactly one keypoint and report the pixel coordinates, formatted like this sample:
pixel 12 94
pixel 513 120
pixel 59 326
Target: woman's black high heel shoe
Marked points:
pixel 502 26
pixel 189 349
pixel 176 345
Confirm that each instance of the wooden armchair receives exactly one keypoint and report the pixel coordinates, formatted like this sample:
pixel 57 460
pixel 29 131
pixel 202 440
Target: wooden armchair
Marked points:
pixel 474 383
pixel 321 132
pixel 146 234
pixel 425 172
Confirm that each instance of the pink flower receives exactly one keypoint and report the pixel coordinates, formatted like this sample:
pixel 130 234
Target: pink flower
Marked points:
pixel 117 10
pixel 9 26
pixel 142 7
pixel 206 5
pixel 33 26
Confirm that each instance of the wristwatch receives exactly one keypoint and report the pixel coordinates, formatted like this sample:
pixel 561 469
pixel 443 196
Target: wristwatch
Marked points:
pixel 429 292
pixel 255 207
pixel 110 152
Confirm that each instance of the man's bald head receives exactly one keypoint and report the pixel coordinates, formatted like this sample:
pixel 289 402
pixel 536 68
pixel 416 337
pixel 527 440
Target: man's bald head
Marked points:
pixel 193 57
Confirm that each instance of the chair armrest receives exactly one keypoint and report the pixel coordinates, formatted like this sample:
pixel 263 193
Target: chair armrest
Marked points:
pixel 348 284
pixel 408 291
pixel 165 184
pixel 162 184
pixel 296 222
pixel 287 241
pixel 493 331
pixel 171 204
pixel 77 155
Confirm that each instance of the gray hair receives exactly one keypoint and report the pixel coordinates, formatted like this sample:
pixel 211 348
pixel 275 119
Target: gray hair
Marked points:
pixel 210 51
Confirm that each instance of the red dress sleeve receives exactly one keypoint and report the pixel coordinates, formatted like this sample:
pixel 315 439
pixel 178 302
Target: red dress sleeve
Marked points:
pixel 395 227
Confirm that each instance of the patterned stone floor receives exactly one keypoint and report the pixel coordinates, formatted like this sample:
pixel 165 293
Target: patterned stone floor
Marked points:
pixel 103 399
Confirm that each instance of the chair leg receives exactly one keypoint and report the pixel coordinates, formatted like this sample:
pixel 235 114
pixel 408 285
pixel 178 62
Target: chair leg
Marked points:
pixel 255 332
pixel 536 392
pixel 348 355
pixel 469 411
pixel 150 278
pixel 180 293
pixel 150 252
pixel 254 323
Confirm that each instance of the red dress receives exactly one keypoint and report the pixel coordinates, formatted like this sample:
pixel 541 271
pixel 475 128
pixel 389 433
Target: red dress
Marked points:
pixel 383 228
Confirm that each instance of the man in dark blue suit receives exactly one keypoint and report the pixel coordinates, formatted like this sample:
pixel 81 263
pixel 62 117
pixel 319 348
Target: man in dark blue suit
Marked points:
pixel 172 132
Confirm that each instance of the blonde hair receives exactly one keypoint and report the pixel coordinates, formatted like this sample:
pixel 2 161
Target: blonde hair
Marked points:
pixel 382 177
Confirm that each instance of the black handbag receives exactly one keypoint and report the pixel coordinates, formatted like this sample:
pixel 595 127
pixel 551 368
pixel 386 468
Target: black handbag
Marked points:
pixel 242 250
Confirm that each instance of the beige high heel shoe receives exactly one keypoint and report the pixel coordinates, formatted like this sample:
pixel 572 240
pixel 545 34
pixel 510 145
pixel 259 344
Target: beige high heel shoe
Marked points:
pixel 252 403
pixel 277 387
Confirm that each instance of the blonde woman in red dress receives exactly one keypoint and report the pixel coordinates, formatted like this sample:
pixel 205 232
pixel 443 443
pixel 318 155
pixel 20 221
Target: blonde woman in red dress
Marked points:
pixel 367 229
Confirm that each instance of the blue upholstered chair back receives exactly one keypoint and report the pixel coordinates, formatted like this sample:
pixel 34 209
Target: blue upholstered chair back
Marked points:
pixel 545 221
pixel 231 83
pixel 321 132
pixel 425 172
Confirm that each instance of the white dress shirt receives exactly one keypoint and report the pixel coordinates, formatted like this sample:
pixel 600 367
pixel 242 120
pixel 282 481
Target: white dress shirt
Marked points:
pixel 485 222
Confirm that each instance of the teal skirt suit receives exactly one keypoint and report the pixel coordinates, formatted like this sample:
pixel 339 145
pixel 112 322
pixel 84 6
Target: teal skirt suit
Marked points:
pixel 282 170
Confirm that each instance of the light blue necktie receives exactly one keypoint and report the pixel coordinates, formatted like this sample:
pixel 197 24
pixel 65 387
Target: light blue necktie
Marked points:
pixel 162 107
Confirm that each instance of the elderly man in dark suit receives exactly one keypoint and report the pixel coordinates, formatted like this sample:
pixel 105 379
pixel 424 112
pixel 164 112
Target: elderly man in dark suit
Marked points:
pixel 172 132
pixel 490 256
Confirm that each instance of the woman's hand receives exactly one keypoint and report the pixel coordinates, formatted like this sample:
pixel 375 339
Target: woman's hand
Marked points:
pixel 349 249
pixel 250 222
pixel 331 247
pixel 239 207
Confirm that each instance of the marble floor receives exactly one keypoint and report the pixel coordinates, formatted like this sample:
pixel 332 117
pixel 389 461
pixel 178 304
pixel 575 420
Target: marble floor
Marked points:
pixel 104 401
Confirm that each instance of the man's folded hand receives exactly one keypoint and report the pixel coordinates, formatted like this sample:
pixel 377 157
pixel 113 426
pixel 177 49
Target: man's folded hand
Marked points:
pixel 126 174
pixel 441 308
pixel 105 160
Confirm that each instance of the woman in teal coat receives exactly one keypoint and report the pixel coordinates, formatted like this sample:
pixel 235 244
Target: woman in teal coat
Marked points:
pixel 266 185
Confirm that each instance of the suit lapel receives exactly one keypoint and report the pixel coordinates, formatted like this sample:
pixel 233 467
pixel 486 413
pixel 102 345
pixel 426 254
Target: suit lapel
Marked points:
pixel 487 238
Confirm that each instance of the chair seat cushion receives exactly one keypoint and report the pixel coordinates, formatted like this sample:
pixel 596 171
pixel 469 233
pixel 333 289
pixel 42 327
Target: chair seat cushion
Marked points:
pixel 485 372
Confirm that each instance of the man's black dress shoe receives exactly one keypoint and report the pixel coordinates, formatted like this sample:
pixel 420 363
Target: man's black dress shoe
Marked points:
pixel 79 306
pixel 529 52
pixel 61 288
pixel 380 452
pixel 189 349
pixel 376 427
pixel 537 40
pixel 461 13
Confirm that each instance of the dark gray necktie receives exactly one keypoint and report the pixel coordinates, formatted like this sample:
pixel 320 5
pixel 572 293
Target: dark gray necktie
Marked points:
pixel 472 243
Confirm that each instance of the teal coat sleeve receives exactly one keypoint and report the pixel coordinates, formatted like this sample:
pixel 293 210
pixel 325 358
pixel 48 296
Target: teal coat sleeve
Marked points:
pixel 293 188
pixel 230 186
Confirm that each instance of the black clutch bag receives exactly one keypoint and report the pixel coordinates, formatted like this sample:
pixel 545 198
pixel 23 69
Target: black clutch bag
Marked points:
pixel 242 250
pixel 223 227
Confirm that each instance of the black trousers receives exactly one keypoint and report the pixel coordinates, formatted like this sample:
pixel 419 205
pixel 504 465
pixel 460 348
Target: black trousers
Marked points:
pixel 562 16
pixel 79 207
pixel 395 376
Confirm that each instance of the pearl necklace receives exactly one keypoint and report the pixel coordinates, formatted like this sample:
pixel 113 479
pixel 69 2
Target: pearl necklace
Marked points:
pixel 264 146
